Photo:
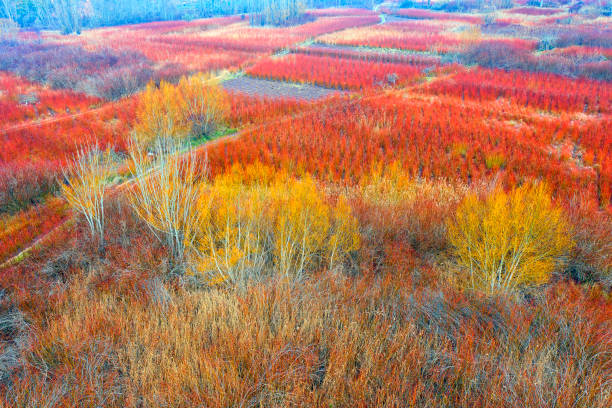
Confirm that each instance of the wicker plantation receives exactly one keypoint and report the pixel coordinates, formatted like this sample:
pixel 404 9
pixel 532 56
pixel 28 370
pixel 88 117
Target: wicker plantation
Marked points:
pixel 346 203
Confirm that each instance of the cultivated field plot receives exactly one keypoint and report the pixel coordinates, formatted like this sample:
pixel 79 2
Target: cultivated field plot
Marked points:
pixel 276 89
pixel 22 101
pixel 397 204
pixel 370 54
pixel 442 36
pixel 338 73
pixel 548 92
pixel 475 140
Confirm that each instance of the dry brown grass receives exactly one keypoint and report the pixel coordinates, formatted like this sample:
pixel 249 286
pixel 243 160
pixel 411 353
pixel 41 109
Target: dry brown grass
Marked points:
pixel 329 340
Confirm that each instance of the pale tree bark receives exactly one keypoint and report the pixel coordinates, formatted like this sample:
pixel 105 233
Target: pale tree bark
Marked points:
pixel 60 14
pixel 86 181
pixel 165 194
pixel 8 9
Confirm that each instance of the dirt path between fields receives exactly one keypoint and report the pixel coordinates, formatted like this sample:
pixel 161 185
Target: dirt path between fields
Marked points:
pixel 61 118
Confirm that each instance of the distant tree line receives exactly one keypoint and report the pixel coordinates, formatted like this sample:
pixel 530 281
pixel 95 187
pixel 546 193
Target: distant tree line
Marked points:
pixel 72 15
pixel 64 14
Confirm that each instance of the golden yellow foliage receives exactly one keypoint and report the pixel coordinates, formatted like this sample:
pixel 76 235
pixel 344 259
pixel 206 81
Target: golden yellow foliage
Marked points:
pixel 228 245
pixel 205 103
pixel 193 108
pixel 160 114
pixel 471 35
pixel 344 238
pixel 255 220
pixel 509 239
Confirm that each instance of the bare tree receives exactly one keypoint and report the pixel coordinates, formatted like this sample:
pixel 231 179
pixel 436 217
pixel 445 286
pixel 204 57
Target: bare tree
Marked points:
pixel 8 29
pixel 165 195
pixel 62 14
pixel 86 181
pixel 67 15
pixel 8 8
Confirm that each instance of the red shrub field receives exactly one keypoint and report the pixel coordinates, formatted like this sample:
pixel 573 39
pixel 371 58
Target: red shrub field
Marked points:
pixel 545 91
pixel 21 101
pixel 165 27
pixel 191 56
pixel 336 72
pixel 167 42
pixel 590 34
pixel 254 110
pixel 210 44
pixel 407 204
pixel 19 230
pixel 102 73
pixel 324 50
pixel 578 51
pixel 340 11
pixel 382 38
pixel 419 36
pixel 33 154
pixel 433 138
pixel 254 39
pixel 54 139
pixel 417 26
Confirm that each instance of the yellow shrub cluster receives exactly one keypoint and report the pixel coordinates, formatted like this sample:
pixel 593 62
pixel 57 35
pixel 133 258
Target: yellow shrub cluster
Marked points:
pixel 254 220
pixel 509 239
pixel 193 108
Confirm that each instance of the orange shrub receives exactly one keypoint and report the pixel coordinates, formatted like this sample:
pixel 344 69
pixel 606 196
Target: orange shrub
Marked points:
pixel 193 108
